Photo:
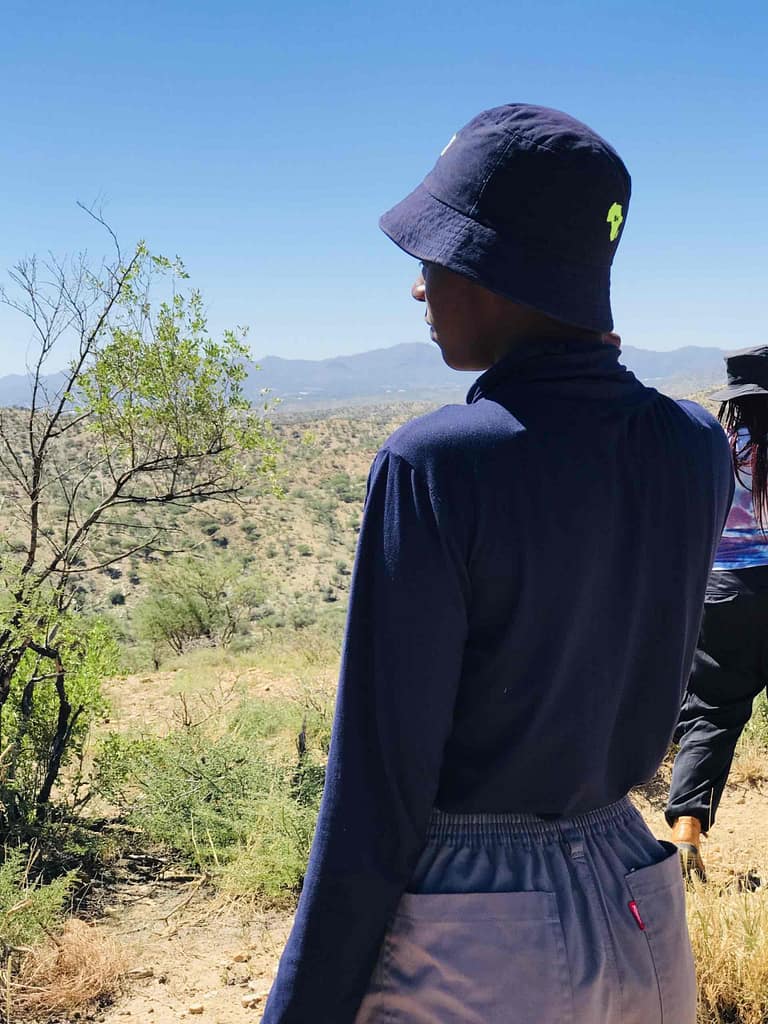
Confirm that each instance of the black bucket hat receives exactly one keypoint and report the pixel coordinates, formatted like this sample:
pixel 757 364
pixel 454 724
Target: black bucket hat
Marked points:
pixel 747 372
pixel 528 202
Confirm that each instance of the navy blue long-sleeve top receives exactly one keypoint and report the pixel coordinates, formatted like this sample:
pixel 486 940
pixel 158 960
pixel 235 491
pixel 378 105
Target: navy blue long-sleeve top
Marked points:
pixel 524 609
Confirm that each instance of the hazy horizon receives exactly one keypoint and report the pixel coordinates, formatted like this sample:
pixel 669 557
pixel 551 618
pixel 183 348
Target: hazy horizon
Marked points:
pixel 257 358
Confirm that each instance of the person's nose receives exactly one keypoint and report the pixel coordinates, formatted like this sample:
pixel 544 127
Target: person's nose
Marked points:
pixel 419 289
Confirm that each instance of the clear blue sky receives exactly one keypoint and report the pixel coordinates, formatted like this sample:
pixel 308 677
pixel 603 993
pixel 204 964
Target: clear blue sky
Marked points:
pixel 260 141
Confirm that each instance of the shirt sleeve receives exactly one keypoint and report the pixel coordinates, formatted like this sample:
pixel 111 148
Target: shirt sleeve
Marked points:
pixel 400 670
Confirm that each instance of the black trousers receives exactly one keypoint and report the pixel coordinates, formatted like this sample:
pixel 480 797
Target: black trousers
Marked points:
pixel 729 670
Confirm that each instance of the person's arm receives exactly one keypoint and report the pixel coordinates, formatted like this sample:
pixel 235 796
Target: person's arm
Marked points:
pixel 401 665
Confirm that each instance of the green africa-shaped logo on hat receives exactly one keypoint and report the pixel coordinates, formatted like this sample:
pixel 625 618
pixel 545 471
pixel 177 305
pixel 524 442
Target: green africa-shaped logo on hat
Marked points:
pixel 615 218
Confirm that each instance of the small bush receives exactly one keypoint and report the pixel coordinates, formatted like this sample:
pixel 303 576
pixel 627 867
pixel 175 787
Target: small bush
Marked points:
pixel 270 865
pixel 234 799
pixel 188 792
pixel 116 597
pixel 251 530
pixel 302 617
pixel 28 910
pixel 751 761
pixel 757 727
pixel 32 718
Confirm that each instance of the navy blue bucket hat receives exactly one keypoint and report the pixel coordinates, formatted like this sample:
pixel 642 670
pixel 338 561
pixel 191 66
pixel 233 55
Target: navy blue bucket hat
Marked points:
pixel 528 202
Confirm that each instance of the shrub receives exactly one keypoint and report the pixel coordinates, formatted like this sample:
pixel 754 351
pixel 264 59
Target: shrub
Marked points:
pixel 303 616
pixel 233 798
pixel 28 910
pixel 36 751
pixel 349 491
pixel 757 727
pixel 270 864
pixel 195 599
pixel 187 791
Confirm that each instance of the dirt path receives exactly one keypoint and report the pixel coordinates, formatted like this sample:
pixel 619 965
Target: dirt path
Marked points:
pixel 195 957
pixel 738 844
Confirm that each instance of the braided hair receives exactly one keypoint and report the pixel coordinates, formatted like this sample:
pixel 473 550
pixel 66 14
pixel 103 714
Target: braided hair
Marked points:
pixel 750 413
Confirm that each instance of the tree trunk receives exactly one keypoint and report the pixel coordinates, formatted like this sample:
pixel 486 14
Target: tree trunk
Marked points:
pixel 64 725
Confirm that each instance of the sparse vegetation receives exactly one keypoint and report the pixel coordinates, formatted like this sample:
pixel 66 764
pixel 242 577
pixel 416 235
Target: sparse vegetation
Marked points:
pixel 29 908
pixel 158 408
pixel 234 794
pixel 729 932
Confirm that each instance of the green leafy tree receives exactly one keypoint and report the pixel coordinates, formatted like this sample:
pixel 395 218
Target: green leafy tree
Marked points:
pixel 193 598
pixel 149 417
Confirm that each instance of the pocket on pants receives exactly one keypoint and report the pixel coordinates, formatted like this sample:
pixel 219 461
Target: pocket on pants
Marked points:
pixel 472 958
pixel 659 896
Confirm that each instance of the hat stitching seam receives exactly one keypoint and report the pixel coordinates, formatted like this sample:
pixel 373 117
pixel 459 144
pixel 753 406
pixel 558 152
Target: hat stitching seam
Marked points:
pixel 492 171
pixel 544 249
pixel 525 133
pixel 604 149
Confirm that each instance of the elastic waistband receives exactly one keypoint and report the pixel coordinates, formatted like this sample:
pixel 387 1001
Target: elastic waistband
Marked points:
pixel 497 828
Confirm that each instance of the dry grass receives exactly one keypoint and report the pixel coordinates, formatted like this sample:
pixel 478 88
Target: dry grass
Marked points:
pixel 750 766
pixel 66 975
pixel 729 932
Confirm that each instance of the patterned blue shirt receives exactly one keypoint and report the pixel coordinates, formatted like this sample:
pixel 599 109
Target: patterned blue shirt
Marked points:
pixel 743 544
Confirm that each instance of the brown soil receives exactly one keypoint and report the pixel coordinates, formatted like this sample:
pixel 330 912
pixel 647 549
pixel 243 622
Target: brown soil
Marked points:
pixel 735 850
pixel 194 955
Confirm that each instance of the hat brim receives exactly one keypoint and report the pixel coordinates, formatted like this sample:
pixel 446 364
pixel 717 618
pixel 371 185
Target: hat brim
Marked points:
pixel 430 230
pixel 738 391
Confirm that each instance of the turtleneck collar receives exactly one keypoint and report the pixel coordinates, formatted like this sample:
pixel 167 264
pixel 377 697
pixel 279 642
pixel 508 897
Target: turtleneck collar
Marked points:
pixel 538 358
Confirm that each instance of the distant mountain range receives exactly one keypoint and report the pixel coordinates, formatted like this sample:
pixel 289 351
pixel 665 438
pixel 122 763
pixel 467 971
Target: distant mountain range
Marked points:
pixel 410 372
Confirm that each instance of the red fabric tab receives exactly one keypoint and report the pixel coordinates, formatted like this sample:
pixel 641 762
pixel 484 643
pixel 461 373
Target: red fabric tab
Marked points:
pixel 636 915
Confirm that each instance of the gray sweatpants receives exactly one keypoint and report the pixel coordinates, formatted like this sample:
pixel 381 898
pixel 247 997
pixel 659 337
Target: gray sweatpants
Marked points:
pixel 512 919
